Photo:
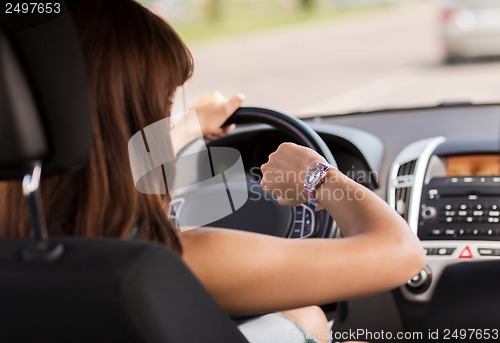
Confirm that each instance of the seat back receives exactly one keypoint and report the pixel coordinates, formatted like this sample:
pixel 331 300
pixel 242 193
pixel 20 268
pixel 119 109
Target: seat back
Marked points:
pixel 44 101
pixel 106 290
pixel 92 290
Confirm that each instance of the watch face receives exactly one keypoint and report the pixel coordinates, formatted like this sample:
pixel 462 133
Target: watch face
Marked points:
pixel 313 176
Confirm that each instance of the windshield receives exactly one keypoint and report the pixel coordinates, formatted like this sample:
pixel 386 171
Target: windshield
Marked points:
pixel 317 57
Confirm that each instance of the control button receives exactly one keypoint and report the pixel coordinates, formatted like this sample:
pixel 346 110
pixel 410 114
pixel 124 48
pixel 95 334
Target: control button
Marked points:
pixel 488 252
pixel 304 222
pixel 493 220
pixel 420 282
pixel 462 213
pixel 445 251
pixel 448 207
pixel 485 252
pixel 436 232
pixel 440 251
pixel 308 217
pixel 429 213
pixel 433 194
pixel 448 220
pixel 466 253
pixel 494 207
pixel 496 179
pixel 477 213
pixel 468 179
pixel 450 232
pixel 494 213
pixel 299 212
pixel 296 230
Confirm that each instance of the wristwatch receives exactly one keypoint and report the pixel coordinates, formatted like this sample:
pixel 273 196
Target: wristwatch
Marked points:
pixel 315 176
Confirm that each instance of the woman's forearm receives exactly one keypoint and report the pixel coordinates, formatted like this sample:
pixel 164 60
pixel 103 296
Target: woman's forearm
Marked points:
pixel 249 272
pixel 356 209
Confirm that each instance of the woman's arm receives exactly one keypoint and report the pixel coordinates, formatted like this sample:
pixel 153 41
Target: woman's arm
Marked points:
pixel 248 272
pixel 211 112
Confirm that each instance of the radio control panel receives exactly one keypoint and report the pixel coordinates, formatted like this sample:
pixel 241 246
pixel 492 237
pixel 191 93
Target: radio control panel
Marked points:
pixel 465 208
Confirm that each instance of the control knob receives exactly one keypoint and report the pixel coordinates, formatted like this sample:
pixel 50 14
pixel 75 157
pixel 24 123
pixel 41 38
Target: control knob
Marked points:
pixel 429 213
pixel 420 282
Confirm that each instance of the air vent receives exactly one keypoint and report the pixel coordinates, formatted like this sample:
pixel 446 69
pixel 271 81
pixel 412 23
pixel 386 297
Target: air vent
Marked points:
pixel 407 177
pixel 402 187
pixel 407 168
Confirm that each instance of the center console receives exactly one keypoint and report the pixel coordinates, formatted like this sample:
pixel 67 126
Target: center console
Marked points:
pixel 449 192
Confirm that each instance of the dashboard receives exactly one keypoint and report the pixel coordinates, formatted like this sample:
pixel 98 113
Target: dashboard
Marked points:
pixel 439 168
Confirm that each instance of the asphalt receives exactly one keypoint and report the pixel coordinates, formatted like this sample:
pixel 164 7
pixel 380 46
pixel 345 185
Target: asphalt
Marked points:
pixel 386 59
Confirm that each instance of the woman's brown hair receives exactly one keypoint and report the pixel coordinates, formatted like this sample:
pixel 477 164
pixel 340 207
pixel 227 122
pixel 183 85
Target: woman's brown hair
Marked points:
pixel 135 61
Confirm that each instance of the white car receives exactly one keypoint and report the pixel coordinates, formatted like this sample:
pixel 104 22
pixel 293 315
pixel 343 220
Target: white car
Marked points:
pixel 470 28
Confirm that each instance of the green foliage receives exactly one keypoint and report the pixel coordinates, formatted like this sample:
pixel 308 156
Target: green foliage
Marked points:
pixel 206 19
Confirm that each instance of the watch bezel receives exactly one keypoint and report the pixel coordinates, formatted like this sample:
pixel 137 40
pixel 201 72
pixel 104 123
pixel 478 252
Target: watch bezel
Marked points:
pixel 311 186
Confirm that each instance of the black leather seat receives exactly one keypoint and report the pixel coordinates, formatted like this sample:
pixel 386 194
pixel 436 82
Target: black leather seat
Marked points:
pixel 106 290
pixel 92 290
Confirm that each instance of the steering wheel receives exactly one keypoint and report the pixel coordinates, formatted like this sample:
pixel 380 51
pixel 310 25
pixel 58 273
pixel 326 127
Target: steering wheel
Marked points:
pixel 284 123
pixel 261 213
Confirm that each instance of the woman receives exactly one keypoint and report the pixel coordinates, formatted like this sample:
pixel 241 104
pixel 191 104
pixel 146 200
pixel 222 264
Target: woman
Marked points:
pixel 135 62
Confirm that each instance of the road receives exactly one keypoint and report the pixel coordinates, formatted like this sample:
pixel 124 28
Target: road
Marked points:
pixel 390 58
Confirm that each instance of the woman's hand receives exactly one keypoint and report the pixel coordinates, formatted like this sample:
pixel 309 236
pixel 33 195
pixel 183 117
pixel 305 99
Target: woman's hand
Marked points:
pixel 213 110
pixel 283 175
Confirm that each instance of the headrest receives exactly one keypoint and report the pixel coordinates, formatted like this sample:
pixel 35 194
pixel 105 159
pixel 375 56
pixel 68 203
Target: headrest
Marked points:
pixel 44 101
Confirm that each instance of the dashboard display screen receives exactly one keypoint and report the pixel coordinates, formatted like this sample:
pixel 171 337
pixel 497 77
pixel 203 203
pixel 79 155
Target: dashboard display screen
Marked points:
pixel 473 165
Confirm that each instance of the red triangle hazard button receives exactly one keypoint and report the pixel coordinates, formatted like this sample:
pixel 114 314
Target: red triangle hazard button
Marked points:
pixel 466 253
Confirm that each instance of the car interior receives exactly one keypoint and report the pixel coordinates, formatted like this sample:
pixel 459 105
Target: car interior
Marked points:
pixel 438 167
